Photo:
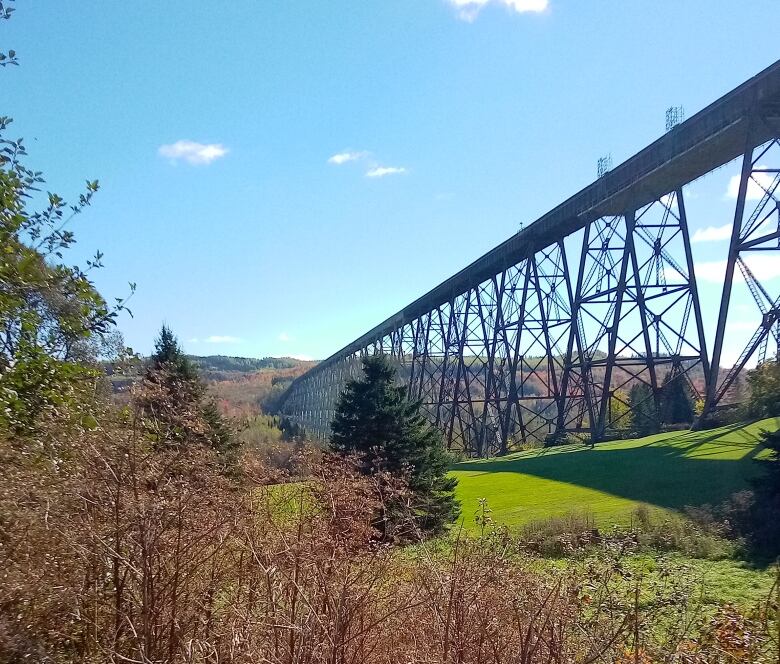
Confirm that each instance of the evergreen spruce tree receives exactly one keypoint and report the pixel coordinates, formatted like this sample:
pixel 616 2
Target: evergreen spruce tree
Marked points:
pixel 645 414
pixel 375 420
pixel 178 382
pixel 676 399
pixel 168 354
pixel 764 527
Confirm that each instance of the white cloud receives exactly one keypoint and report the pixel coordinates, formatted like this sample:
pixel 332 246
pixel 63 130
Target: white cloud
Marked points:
pixel 755 192
pixel 347 156
pixel 718 233
pixel 283 336
pixel 712 233
pixel 468 10
pixel 743 325
pixel 192 152
pixel 382 171
pixel 220 339
pixel 375 170
pixel 763 266
pixel 302 358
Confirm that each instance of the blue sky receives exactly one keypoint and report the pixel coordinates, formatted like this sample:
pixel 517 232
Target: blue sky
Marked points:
pixel 213 130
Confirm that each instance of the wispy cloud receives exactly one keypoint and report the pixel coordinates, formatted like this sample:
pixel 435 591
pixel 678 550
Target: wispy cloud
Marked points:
pixel 712 233
pixel 718 233
pixel 742 325
pixel 302 358
pixel 756 185
pixel 763 266
pixel 468 10
pixel 222 339
pixel 383 171
pixel 283 336
pixel 375 169
pixel 197 154
pixel 347 156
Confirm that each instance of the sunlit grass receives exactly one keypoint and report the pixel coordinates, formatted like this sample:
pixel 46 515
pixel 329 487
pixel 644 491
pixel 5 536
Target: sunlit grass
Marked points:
pixel 666 471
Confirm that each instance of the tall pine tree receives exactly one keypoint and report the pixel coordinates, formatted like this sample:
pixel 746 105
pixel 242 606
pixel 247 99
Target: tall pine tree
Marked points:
pixel 676 399
pixel 645 414
pixel 375 420
pixel 168 355
pixel 176 389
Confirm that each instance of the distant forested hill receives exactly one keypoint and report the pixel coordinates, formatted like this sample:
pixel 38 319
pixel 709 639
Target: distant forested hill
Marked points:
pixel 242 386
pixel 224 367
pixel 246 386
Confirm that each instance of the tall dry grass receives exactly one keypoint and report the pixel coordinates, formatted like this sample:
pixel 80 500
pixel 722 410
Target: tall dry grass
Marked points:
pixel 114 548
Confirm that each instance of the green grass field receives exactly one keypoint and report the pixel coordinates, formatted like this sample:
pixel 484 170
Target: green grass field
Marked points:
pixel 666 471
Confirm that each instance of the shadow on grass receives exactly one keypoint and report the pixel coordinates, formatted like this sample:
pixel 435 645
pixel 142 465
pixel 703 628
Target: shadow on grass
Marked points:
pixel 670 472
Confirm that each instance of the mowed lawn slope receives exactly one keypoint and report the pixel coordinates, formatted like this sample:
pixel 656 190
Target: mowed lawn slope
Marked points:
pixel 668 471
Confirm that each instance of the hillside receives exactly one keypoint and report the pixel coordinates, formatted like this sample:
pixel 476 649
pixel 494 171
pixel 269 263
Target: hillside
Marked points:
pixel 226 367
pixel 245 387
pixel 667 471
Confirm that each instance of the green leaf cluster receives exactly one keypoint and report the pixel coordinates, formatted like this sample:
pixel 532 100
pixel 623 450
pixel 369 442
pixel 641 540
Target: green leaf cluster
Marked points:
pixel 764 383
pixel 50 312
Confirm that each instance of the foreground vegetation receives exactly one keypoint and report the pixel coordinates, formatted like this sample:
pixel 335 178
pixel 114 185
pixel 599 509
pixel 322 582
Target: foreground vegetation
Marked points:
pixel 122 547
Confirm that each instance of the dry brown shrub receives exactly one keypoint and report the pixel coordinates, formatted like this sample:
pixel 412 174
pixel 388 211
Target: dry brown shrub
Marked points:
pixel 116 548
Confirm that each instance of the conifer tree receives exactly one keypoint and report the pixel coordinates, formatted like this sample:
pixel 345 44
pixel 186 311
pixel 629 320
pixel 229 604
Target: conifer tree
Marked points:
pixel 375 420
pixel 763 528
pixel 644 412
pixel 168 354
pixel 178 389
pixel 676 399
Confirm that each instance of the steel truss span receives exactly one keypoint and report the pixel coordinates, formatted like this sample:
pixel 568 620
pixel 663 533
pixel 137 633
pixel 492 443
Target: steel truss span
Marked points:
pixel 547 333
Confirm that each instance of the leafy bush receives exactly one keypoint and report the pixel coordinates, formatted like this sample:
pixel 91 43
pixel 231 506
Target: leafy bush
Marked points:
pixel 560 536
pixel 764 384
pixel 701 535
pixel 563 438
pixel 724 416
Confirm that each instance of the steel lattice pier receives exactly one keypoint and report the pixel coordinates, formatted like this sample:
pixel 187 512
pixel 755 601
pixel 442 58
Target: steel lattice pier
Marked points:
pixel 547 332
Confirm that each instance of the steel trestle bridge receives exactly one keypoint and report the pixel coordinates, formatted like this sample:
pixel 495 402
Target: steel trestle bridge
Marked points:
pixel 546 333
